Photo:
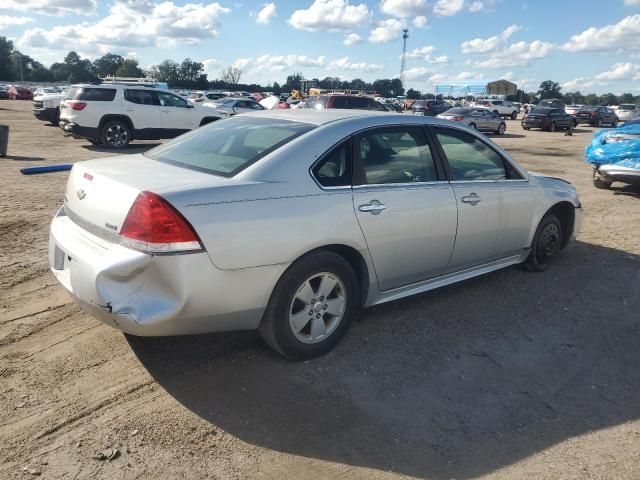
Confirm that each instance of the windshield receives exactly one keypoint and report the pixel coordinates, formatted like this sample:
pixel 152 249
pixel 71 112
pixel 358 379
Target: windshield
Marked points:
pixel 227 147
pixel 540 111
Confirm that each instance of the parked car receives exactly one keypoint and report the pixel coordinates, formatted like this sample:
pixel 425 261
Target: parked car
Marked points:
pixel 551 103
pixel 16 92
pixel 289 222
pixel 228 106
pixel 113 114
pixel 500 107
pixel 202 97
pixel 351 102
pixel 430 107
pixel 573 109
pixel 615 156
pixel 547 118
pixel 46 106
pixel 4 94
pixel 628 111
pixel 477 118
pixel 596 116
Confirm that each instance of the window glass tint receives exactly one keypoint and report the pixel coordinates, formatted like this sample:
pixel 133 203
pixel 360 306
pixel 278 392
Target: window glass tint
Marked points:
pixel 470 158
pixel 92 94
pixel 168 100
pixel 335 169
pixel 141 97
pixel 340 102
pixel 395 155
pixel 227 147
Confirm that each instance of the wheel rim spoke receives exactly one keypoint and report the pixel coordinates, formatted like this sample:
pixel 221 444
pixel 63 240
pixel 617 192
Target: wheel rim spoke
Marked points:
pixel 327 285
pixel 300 320
pixel 335 306
pixel 318 328
pixel 305 293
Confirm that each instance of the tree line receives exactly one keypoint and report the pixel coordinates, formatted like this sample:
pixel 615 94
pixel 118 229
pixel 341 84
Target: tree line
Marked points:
pixel 15 66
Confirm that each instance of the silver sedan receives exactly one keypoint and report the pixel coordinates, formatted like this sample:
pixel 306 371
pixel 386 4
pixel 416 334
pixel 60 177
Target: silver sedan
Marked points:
pixel 478 118
pixel 290 221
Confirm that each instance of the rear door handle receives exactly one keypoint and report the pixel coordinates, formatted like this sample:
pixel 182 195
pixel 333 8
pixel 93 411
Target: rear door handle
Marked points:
pixel 374 207
pixel 472 198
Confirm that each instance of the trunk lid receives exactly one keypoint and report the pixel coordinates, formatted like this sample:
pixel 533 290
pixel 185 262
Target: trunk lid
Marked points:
pixel 101 192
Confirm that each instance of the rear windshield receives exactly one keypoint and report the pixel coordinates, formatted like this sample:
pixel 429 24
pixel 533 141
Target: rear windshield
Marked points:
pixel 91 94
pixel 589 109
pixel 227 147
pixel 462 111
pixel 627 107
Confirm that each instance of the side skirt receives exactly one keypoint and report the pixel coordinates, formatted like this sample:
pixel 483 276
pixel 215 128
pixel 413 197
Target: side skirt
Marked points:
pixel 378 297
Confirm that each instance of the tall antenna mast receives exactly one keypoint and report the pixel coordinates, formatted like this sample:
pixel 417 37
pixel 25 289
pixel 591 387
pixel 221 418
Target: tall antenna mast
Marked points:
pixel 403 64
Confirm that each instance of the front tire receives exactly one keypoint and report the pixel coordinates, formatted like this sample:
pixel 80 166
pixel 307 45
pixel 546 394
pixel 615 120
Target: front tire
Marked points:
pixel 473 125
pixel 546 244
pixel 553 127
pixel 115 134
pixel 311 306
pixel 501 129
pixel 601 184
pixel 514 115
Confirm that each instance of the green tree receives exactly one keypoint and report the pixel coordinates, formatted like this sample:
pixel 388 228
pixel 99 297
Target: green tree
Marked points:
pixel 78 69
pixel 6 49
pixel 608 99
pixel 293 82
pixel 413 94
pixel 591 99
pixel 129 68
pixel 626 98
pixel 549 89
pixel 231 75
pixel 107 64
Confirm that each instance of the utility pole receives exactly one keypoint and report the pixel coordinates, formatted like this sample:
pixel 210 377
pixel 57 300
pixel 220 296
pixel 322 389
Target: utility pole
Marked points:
pixel 403 64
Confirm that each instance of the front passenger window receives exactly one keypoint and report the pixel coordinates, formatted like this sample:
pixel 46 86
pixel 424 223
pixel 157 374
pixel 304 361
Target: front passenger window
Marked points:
pixel 469 158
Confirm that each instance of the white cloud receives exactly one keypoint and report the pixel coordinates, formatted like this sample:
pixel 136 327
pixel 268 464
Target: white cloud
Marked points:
pixel 386 31
pixel 467 76
pixel 330 15
pixel 485 45
pixel 352 39
pixel 423 53
pixel 476 7
pixel 404 8
pixel 437 78
pixel 448 8
pixel 51 7
pixel 520 53
pixel 164 24
pixel 344 64
pixel 267 12
pixel 416 73
pixel 619 71
pixel 578 83
pixel 442 59
pixel 632 3
pixel 420 21
pixel 211 66
pixel 242 63
pixel 619 36
pixel 284 62
pixel 9 20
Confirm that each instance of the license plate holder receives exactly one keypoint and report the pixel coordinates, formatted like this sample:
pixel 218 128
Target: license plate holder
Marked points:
pixel 58 258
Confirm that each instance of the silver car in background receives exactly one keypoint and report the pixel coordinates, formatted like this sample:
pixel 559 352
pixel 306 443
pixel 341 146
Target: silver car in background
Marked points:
pixel 628 111
pixel 477 118
pixel 290 221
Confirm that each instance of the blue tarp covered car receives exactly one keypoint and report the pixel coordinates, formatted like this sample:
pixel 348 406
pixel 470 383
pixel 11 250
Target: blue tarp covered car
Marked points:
pixel 615 155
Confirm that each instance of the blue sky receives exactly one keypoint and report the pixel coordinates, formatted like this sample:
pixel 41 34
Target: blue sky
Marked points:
pixel 586 45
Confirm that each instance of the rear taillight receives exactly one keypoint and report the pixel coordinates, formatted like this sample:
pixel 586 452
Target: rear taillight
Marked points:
pixel 457 119
pixel 153 225
pixel 76 105
pixel 594 114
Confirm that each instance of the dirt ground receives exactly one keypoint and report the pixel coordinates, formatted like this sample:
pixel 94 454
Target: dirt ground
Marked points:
pixel 509 376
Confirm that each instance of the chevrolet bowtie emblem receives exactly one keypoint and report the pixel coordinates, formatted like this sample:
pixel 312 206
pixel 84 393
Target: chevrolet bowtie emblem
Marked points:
pixel 81 194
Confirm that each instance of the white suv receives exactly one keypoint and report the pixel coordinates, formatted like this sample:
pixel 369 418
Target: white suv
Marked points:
pixel 114 114
pixel 500 107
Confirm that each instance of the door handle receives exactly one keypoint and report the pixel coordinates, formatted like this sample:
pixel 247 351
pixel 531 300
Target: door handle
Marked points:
pixel 374 207
pixel 472 198
pixel 128 109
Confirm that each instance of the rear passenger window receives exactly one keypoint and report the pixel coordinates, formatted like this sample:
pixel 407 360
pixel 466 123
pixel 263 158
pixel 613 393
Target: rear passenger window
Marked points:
pixel 471 159
pixel 395 155
pixel 334 170
pixel 340 102
pixel 141 97
pixel 96 94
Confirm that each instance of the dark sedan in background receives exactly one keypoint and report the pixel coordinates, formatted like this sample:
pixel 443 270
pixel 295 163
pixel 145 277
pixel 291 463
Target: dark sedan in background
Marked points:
pixel 551 119
pixel 597 116
pixel 430 108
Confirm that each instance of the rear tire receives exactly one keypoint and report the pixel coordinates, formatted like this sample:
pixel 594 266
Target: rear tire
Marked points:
pixel 601 184
pixel 95 141
pixel 473 125
pixel 514 115
pixel 115 134
pixel 546 244
pixel 496 112
pixel 553 127
pixel 526 128
pixel 615 123
pixel 299 322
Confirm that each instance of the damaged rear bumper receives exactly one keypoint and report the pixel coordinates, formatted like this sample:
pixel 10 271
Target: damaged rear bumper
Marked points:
pixel 156 295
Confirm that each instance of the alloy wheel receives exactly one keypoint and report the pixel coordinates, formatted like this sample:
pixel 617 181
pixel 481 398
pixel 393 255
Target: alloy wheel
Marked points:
pixel 317 307
pixel 117 135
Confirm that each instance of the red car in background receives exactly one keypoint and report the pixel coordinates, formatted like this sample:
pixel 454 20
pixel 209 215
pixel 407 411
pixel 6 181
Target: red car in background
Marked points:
pixel 19 93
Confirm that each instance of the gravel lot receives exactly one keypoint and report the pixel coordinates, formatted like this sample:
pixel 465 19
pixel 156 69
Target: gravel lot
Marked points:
pixel 512 375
